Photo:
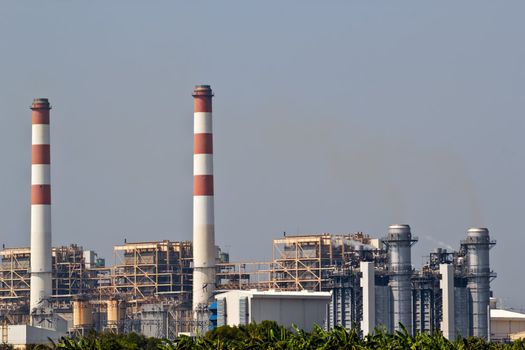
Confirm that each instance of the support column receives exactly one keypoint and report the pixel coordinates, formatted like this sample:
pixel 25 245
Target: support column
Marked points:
pixel 369 297
pixel 447 288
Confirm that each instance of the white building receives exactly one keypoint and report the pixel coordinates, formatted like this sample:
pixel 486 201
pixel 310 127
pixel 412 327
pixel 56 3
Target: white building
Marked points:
pixel 19 336
pixel 303 309
pixel 506 325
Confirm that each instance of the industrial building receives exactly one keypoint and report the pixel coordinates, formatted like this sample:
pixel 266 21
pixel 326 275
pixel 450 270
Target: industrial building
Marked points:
pixel 450 293
pixel 303 309
pixel 505 325
pixel 162 288
pixel 150 284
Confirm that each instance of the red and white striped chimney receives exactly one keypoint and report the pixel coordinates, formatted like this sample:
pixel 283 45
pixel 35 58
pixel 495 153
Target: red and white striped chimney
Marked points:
pixel 203 216
pixel 41 287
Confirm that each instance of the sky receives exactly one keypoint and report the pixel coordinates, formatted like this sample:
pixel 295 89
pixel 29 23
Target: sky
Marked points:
pixel 338 117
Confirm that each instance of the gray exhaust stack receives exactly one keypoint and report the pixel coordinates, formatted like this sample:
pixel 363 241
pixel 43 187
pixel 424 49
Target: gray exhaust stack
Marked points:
pixel 477 246
pixel 399 242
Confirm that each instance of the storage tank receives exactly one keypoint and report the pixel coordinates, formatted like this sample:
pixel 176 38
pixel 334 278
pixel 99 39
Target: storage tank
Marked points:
pixel 82 314
pixel 116 311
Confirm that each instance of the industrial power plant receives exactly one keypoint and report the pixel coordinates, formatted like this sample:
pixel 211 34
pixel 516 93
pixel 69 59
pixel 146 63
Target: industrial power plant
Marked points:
pixel 166 288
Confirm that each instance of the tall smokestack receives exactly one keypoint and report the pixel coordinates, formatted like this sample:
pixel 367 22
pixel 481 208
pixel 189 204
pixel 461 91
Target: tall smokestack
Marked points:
pixel 41 288
pixel 399 241
pixel 203 216
pixel 478 244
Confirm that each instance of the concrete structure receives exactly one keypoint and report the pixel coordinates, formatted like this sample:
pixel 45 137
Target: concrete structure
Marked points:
pixel 153 320
pixel 90 258
pixel 400 241
pixel 477 246
pixel 447 287
pixel 40 204
pixel 203 211
pixel 369 297
pixel 304 309
pixel 19 336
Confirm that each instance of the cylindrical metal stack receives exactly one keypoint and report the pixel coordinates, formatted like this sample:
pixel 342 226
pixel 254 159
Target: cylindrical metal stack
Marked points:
pixel 203 213
pixel 399 241
pixel 478 282
pixel 41 287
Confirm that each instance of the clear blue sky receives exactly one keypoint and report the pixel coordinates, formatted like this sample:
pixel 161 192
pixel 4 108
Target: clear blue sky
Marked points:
pixel 339 117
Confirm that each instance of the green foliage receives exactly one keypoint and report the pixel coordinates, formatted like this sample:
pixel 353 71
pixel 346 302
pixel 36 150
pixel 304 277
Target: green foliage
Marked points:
pixel 106 341
pixel 269 335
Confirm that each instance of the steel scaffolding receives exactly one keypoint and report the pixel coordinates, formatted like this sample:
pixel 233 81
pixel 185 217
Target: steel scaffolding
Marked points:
pixel 243 275
pixel 14 274
pixel 70 275
pixel 151 269
pixel 306 262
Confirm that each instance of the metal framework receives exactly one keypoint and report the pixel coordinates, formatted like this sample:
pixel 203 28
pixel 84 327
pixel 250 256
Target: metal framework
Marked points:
pixel 307 262
pixel 146 271
pixel 151 269
pixel 427 301
pixel 243 275
pixel 14 274
pixel 70 276
pixel 346 307
pixel 427 296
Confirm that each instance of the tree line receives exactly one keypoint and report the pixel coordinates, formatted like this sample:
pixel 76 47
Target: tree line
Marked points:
pixel 269 335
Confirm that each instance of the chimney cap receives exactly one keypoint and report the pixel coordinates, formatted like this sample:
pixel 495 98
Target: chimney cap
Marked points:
pixel 202 90
pixel 477 232
pixel 40 103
